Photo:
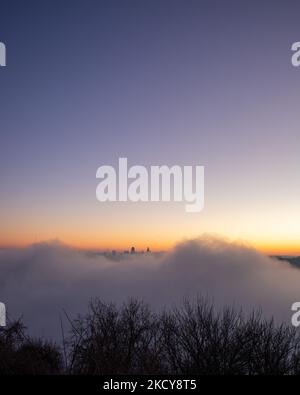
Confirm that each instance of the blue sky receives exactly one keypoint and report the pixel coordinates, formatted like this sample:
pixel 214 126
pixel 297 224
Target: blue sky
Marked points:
pixel 172 82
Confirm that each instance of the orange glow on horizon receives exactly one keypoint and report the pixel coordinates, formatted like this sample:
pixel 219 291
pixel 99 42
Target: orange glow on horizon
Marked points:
pixel 125 243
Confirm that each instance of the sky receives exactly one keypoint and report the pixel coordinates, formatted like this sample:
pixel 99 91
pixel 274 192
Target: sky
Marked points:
pixel 171 82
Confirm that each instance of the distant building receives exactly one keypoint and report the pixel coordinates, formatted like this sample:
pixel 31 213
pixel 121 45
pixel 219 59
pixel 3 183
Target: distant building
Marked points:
pixel 148 250
pixel 132 251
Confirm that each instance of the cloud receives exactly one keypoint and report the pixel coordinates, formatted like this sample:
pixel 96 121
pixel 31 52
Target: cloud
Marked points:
pixel 40 281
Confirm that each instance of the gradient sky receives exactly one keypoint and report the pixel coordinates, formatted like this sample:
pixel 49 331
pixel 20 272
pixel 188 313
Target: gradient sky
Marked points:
pixel 159 82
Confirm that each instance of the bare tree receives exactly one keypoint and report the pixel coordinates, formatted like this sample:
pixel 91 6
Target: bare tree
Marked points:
pixel 20 354
pixel 192 339
pixel 115 340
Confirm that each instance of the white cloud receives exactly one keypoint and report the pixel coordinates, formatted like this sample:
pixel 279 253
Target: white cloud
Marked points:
pixel 40 281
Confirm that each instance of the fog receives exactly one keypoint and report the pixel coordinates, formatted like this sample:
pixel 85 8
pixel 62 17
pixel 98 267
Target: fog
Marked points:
pixel 42 281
